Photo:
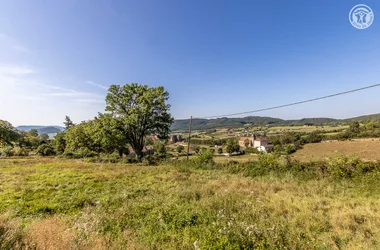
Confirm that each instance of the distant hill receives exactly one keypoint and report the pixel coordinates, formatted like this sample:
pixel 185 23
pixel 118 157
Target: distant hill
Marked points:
pixel 199 124
pixel 364 118
pixel 41 129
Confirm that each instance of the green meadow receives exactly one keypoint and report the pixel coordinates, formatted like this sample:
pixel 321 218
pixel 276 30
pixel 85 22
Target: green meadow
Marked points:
pixel 53 203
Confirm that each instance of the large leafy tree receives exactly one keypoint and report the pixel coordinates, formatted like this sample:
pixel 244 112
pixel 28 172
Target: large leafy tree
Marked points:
pixel 232 146
pixel 139 111
pixel 106 134
pixel 79 137
pixel 60 142
pixel 8 134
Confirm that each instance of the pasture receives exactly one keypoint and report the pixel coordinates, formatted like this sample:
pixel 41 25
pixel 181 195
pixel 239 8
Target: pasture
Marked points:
pixel 366 149
pixel 52 203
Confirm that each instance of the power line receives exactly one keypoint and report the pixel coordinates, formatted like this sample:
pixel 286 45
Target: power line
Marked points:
pixel 290 104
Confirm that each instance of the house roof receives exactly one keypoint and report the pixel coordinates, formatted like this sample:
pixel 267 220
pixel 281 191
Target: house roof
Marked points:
pixel 243 138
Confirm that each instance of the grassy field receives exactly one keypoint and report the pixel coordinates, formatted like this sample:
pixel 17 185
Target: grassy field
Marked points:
pixel 49 203
pixel 239 158
pixel 306 129
pixel 366 149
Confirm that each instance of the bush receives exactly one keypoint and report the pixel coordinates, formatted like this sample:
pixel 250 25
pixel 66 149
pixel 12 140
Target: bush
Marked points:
pixel 45 150
pixel 220 150
pixel 80 153
pixel 251 151
pixel 6 151
pixel 269 161
pixel 232 146
pixel 254 169
pixel 195 148
pixel 68 154
pixel 159 149
pixel 290 148
pixel 344 166
pixel 149 160
pixel 314 137
pixel 205 156
pixel 114 157
pixel 180 148
pixel 17 151
pixel 85 152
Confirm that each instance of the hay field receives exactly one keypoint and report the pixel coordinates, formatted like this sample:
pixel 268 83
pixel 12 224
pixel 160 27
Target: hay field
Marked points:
pixel 366 149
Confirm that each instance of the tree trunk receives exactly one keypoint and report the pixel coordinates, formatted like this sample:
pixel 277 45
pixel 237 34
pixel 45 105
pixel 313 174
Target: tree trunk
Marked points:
pixel 139 155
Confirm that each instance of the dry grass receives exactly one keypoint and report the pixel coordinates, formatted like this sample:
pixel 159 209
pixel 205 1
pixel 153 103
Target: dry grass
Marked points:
pixel 119 206
pixel 366 149
pixel 50 233
pixel 239 158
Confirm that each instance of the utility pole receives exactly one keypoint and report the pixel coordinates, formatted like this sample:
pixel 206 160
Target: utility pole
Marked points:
pixel 188 140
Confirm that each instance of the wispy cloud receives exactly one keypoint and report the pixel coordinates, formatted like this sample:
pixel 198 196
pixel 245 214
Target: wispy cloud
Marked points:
pixel 71 94
pixel 91 100
pixel 97 85
pixel 12 76
pixel 9 42
pixel 46 86
pixel 26 90
pixel 30 98
pixel 13 70
pixel 19 79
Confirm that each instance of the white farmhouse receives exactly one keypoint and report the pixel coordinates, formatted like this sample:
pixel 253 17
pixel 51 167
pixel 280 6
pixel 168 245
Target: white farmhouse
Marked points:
pixel 262 145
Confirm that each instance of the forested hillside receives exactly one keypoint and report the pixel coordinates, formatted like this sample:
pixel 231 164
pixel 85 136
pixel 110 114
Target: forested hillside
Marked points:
pixel 259 120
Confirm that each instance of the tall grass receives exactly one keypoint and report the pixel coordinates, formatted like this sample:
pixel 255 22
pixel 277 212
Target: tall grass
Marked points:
pixel 268 204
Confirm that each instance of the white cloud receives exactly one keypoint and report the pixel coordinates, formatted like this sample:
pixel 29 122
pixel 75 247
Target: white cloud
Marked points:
pixel 97 85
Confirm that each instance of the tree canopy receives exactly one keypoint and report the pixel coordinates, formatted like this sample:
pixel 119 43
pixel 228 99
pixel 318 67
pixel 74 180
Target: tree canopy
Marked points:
pixel 139 111
pixel 8 133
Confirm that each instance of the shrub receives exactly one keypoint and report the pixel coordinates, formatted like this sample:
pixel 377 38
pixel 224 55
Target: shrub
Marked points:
pixel 149 160
pixel 80 153
pixel 220 150
pixel 159 149
pixel 269 161
pixel 251 151
pixel 17 151
pixel 195 148
pixel 205 156
pixel 232 146
pixel 344 166
pixel 114 157
pixel 45 150
pixel 84 152
pixel 180 148
pixel 6 151
pixel 290 148
pixel 68 154
pixel 314 137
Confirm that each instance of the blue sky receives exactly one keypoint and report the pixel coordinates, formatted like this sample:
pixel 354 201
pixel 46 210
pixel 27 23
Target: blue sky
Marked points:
pixel 57 58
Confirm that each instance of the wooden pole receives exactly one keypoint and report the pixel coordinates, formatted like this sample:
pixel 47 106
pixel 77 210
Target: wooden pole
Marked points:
pixel 188 140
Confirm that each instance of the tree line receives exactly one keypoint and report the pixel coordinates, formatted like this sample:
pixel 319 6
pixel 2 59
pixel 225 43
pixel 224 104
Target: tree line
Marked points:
pixel 133 113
